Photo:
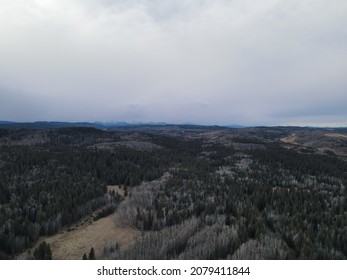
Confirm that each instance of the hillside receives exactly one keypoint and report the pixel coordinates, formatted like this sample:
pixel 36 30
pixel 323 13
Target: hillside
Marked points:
pixel 193 192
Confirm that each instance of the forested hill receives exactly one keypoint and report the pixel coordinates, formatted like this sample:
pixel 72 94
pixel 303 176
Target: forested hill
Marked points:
pixel 47 125
pixel 52 125
pixel 249 193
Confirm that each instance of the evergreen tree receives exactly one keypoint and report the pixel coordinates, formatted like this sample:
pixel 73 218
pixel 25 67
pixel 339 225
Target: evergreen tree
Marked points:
pixel 43 252
pixel 92 254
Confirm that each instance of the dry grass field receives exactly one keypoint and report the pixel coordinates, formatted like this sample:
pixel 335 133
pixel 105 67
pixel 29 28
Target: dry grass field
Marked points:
pixel 72 242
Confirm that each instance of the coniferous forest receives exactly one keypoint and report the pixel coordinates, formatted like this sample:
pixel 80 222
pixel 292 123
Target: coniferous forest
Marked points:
pixel 190 192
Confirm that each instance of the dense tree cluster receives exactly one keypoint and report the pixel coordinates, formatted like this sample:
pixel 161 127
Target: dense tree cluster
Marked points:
pixel 44 187
pixel 43 252
pixel 193 196
pixel 277 204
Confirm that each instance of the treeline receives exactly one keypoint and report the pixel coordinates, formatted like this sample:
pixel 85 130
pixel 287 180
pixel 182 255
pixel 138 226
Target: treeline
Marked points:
pixel 44 187
pixel 195 197
pixel 284 205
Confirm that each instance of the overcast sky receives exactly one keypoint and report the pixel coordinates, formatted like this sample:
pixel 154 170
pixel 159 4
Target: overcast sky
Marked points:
pixel 248 62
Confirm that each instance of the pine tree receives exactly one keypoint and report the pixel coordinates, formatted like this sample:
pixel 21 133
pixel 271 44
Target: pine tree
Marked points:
pixel 43 252
pixel 92 254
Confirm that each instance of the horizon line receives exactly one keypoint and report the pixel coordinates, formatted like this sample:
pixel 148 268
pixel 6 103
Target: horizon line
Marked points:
pixel 163 123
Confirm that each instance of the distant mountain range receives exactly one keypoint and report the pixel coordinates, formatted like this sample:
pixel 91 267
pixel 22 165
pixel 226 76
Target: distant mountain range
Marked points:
pixel 110 125
pixel 48 125
pixel 99 125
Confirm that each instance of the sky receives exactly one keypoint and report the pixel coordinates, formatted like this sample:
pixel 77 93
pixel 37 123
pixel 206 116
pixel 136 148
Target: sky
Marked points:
pixel 247 62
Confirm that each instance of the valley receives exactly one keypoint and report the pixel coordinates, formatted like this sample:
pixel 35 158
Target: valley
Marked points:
pixel 174 192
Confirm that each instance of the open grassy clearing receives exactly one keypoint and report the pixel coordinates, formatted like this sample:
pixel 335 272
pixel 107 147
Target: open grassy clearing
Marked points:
pixel 72 242
pixel 338 135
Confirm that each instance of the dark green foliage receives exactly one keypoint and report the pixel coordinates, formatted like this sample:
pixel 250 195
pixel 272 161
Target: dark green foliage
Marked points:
pixel 283 197
pixel 107 210
pixel 44 187
pixel 91 255
pixel 240 192
pixel 43 252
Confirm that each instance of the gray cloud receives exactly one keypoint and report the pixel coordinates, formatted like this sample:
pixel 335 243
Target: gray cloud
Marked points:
pixel 241 61
pixel 16 105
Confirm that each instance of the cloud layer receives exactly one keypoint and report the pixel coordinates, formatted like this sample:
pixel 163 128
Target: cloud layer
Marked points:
pixel 212 62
